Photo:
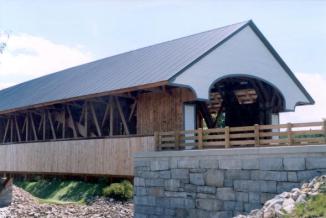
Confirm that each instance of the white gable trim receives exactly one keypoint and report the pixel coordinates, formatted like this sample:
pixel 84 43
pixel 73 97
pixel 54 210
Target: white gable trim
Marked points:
pixel 243 54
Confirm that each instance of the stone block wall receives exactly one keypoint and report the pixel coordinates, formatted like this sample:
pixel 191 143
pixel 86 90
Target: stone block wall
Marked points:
pixel 219 182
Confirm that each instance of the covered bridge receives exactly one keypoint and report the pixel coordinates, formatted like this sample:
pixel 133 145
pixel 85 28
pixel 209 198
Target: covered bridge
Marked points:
pixel 91 118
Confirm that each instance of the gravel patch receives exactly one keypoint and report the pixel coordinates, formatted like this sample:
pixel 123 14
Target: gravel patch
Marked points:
pixel 25 205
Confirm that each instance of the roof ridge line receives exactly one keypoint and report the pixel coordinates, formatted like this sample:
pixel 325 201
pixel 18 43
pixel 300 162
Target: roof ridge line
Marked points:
pixel 246 23
pixel 175 39
pixel 130 51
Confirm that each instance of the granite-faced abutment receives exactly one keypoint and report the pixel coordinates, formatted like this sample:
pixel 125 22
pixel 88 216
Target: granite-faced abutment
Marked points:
pixel 220 182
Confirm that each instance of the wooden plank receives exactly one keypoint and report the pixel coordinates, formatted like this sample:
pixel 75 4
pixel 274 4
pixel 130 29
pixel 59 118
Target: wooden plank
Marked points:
pixel 157 141
pixel 64 123
pixel 86 119
pixel 167 139
pixel 111 116
pixel 257 136
pixel 24 126
pixel 11 129
pixel 27 128
pixel 58 126
pixel 242 128
pixel 243 142
pixel 177 139
pixel 227 137
pixel 289 131
pixel 106 112
pixel 161 112
pixel 206 137
pixel 52 126
pixel 17 130
pixel 95 119
pixel 132 110
pixel 215 143
pixel 241 135
pixel 273 141
pixel 6 131
pixel 167 133
pixel 33 127
pixel 215 130
pixel 82 114
pixel 122 116
pixel 72 121
pixel 200 138
pixel 44 124
pixel 103 157
pixel 264 134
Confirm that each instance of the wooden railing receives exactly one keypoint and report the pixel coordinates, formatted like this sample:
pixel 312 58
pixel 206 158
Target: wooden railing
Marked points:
pixel 257 135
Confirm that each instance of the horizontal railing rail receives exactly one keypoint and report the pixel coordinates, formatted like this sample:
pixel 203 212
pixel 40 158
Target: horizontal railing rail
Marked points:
pixel 256 135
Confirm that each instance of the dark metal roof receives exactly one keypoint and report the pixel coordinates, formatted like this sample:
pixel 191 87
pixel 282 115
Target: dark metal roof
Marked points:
pixel 162 62
pixel 147 65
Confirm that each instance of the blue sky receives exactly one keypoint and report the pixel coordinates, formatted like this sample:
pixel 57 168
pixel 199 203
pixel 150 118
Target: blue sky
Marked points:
pixel 297 29
pixel 47 36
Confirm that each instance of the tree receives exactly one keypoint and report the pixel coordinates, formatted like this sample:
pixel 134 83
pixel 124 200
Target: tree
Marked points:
pixel 4 37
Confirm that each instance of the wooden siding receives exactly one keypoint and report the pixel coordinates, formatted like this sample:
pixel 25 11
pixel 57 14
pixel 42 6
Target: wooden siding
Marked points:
pixel 162 111
pixel 88 157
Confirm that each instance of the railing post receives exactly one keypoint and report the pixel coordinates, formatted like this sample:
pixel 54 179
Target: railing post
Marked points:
pixel 289 130
pixel 177 140
pixel 157 141
pixel 324 128
pixel 200 138
pixel 257 137
pixel 227 136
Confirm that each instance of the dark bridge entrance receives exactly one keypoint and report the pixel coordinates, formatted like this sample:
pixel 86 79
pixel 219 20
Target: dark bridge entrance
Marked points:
pixel 242 101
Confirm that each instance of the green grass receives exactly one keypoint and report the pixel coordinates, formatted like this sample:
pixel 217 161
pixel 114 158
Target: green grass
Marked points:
pixel 61 191
pixel 314 207
pixel 121 191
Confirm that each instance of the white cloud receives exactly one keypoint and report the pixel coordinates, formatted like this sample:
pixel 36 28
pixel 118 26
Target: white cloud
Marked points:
pixel 315 84
pixel 27 57
pixel 5 85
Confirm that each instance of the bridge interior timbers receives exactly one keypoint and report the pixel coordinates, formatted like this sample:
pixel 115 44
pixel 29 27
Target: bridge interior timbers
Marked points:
pixel 85 118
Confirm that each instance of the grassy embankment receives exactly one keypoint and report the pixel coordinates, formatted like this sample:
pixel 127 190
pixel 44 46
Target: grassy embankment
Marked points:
pixel 70 191
pixel 61 191
pixel 314 207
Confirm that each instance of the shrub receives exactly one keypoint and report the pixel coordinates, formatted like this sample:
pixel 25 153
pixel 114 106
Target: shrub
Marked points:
pixel 119 191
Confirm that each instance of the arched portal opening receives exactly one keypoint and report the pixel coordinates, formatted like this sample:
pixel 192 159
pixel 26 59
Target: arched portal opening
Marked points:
pixel 241 101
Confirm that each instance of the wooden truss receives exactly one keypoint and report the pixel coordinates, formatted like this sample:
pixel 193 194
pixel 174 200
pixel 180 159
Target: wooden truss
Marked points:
pixel 97 117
